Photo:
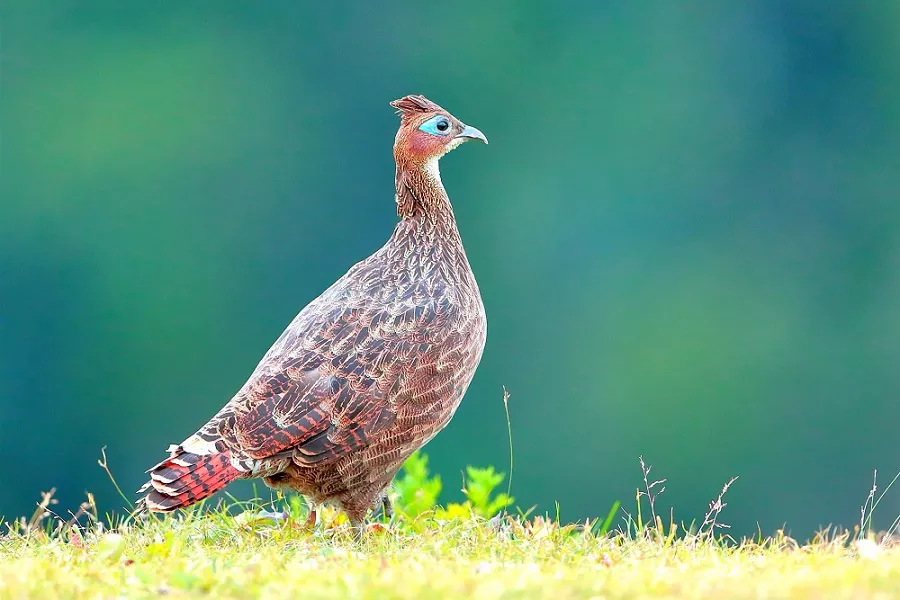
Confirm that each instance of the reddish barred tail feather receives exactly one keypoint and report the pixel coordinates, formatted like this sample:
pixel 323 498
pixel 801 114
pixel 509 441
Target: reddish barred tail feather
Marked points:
pixel 187 478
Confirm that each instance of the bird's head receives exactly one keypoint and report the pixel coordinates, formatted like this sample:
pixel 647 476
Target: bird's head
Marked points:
pixel 427 131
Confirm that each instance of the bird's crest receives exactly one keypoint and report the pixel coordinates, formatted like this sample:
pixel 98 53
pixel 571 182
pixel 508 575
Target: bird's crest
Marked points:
pixel 413 104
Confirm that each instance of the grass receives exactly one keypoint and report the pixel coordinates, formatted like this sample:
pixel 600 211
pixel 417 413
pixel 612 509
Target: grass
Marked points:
pixel 437 552
pixel 469 549
pixel 218 556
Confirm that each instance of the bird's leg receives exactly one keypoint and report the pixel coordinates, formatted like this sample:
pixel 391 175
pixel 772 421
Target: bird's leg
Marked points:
pixel 383 509
pixel 387 507
pixel 314 518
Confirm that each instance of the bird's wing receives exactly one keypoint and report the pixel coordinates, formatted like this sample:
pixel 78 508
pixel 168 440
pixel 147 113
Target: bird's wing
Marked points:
pixel 331 383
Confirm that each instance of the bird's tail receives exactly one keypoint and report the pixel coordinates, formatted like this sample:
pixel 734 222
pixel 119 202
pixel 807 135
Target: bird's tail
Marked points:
pixel 186 478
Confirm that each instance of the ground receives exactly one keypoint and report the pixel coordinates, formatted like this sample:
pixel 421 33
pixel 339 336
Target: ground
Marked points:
pixel 216 555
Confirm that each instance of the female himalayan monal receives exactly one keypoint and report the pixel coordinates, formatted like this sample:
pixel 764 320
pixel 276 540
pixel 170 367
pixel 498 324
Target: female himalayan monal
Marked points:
pixel 368 372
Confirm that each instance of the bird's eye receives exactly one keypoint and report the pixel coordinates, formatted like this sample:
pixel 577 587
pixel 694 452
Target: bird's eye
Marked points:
pixel 439 126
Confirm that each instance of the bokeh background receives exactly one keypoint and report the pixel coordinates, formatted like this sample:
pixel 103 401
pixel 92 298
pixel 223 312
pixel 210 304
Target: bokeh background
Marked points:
pixel 686 230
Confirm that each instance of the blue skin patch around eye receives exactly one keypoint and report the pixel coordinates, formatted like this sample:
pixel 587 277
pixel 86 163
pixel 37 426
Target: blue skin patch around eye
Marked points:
pixel 431 126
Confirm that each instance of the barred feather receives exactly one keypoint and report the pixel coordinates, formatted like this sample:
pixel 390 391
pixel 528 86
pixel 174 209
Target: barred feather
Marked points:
pixel 186 479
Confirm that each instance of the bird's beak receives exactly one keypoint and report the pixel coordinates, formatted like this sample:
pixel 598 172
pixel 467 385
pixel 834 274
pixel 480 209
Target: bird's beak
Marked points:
pixel 470 133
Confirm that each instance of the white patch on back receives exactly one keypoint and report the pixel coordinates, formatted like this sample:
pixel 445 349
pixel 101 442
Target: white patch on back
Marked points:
pixel 197 445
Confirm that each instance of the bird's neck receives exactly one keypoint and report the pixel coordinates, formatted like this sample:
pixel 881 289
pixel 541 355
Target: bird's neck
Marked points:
pixel 427 221
pixel 420 192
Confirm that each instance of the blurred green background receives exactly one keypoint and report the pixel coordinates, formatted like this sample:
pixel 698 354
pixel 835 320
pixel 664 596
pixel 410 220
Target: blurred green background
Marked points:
pixel 686 231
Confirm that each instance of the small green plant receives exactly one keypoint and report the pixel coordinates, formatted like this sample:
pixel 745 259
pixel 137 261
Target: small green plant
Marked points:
pixel 479 491
pixel 417 491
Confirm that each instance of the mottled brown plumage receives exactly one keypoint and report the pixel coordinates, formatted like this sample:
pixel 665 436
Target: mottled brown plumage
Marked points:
pixel 369 371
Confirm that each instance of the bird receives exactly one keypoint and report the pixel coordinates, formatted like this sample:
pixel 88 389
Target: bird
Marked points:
pixel 368 372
